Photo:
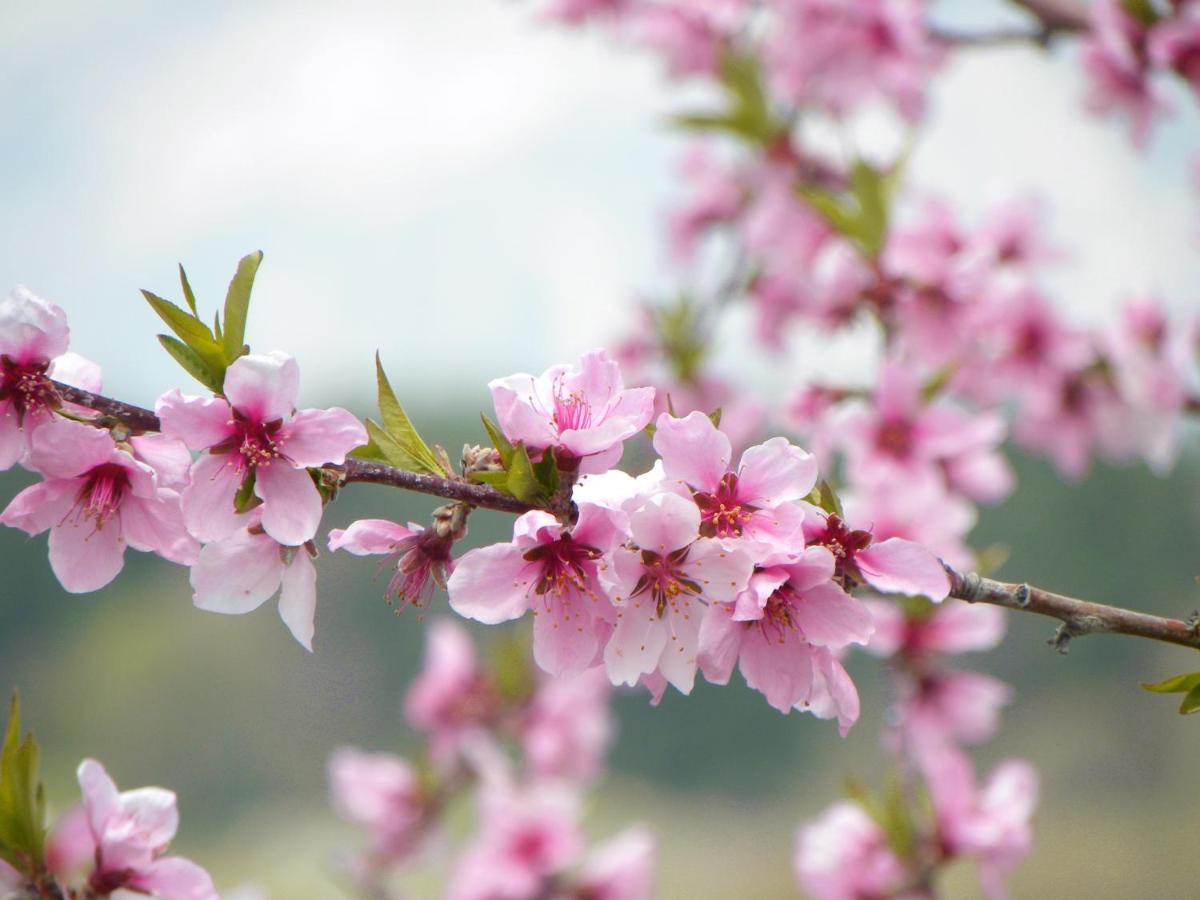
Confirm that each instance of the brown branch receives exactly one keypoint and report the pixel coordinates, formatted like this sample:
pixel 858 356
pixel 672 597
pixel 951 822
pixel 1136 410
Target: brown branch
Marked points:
pixel 365 470
pixel 1058 15
pixel 997 38
pixel 1077 617
pixel 1054 18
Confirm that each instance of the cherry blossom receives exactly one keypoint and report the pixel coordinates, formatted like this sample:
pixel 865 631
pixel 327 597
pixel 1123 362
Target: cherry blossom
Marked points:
pixel 420 556
pixel 1174 43
pixel 97 497
pixel 620 869
pixel 255 432
pixel 33 332
pixel 383 795
pixel 584 413
pixel 1115 58
pixel 845 855
pixel 567 728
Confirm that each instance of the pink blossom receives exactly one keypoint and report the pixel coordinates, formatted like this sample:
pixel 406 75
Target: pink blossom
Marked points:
pixel 894 566
pixel 752 501
pixel 567 727
pixel 254 431
pixel 584 413
pixel 70 846
pixel 33 332
pixel 552 571
pixel 952 706
pixel 620 869
pixel 421 557
pixel 527 836
pixel 717 196
pixel 689 35
pixel 1010 236
pixel 660 586
pixel 130 832
pixel 992 822
pixel 783 633
pixel 96 498
pixel 241 572
pixel 922 511
pixel 946 629
pixel 844 855
pixel 1073 418
pixel 930 251
pixel 1116 61
pixel 578 11
pixel 452 694
pixel 383 795
pixel 1175 43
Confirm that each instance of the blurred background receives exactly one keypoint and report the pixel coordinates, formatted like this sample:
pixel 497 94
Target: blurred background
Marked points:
pixel 475 192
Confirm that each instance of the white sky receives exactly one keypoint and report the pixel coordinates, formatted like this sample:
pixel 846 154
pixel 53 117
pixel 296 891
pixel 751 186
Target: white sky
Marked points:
pixel 467 189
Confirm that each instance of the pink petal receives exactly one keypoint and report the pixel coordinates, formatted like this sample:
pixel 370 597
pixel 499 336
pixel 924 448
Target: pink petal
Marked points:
pixel 207 501
pixel 897 566
pixel 597 463
pixel 12 437
pixel 720 642
pixel 665 523
pixel 368 536
pixel 629 415
pixel 31 329
pixel 961 627
pixel 298 599
pixel 636 643
pixel 64 449
pixel 291 511
pixel 692 450
pixel 834 693
pixel 70 845
pixel 782 671
pixel 263 387
pixel 200 422
pixel 316 437
pixel 491 584
pixel 86 557
pixel 41 505
pixel 776 471
pixel 101 799
pixel 829 617
pixel 236 575
pixel 166 456
pixel 723 572
pixel 678 662
pixel 77 371
pixel 153 813
pixel 176 878
pixel 598 378
pixel 564 637
pixel 524 408
pixel 812 567
pixel 157 526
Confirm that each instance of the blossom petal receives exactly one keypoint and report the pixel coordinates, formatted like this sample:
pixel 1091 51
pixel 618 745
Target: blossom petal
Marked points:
pixel 316 437
pixel 167 456
pixel 41 505
pixel 369 536
pixel 834 693
pixel 565 637
pixel 829 617
pixel 236 575
pixel 491 584
pixel 207 501
pixel 665 523
pixel 636 643
pixel 200 422
pixel 692 450
pixel 64 449
pixel 897 566
pixel 720 641
pixel 176 878
pixel 157 526
pixel 85 556
pixel 263 387
pixel 298 599
pixel 31 329
pixel 291 511
pixel 776 471
pixel 12 437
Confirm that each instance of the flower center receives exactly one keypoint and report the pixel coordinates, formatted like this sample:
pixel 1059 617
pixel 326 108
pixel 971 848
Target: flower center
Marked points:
pixel 103 490
pixel 778 622
pixel 722 515
pixel 257 443
pixel 894 438
pixel 26 386
pixel 562 567
pixel 844 544
pixel 664 579
pixel 571 410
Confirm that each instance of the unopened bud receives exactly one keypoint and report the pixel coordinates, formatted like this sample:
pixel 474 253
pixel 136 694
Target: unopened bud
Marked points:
pixel 480 459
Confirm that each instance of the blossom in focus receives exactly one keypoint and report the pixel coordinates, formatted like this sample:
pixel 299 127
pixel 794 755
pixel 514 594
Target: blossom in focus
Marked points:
pixel 585 413
pixel 383 795
pixel 96 498
pixel 552 571
pixel 130 832
pixel 255 432
pixel 567 728
pixel 33 332
pixel 241 572
pixel 421 557
pixel 845 855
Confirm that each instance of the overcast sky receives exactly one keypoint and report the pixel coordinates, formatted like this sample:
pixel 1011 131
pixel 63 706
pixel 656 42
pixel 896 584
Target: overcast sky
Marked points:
pixel 467 189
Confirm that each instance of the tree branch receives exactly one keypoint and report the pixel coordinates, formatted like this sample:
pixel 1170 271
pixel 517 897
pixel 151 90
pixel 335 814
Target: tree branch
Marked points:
pixel 1077 617
pixel 1058 15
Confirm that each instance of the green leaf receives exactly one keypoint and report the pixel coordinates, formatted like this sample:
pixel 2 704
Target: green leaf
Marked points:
pixel 824 496
pixel 390 451
pixel 1191 702
pixel 369 450
pixel 187 291
pixel 502 444
pixel 245 499
pixel 522 481
pixel 1141 10
pixel 546 472
pixel 400 428
pixel 715 417
pixel 237 305
pixel 192 363
pixel 871 193
pixel 191 331
pixel 22 800
pixel 497 479
pixel 1180 684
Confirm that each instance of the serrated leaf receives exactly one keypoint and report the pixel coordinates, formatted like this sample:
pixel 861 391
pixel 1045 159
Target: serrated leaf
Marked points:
pixel 522 481
pixel 1191 702
pixel 237 305
pixel 1180 684
pixel 192 363
pixel 369 450
pixel 188 295
pixel 502 444
pixel 401 429
pixel 194 333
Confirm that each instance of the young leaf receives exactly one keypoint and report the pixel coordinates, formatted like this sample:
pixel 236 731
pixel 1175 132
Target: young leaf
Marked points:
pixel 502 444
pixel 522 481
pixel 824 496
pixel 390 451
pixel 546 472
pixel 22 802
pixel 715 417
pixel 245 499
pixel 1191 702
pixel 192 363
pixel 400 427
pixel 1180 684
pixel 237 305
pixel 191 330
pixel 187 291
pixel 496 479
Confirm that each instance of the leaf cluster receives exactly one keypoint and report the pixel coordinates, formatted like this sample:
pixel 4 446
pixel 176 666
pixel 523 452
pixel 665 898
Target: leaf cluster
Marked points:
pixel 396 440
pixel 531 482
pixel 748 114
pixel 861 213
pixel 1187 684
pixel 22 799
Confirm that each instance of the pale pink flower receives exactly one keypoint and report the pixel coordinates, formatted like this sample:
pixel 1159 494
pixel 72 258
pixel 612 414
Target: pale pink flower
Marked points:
pixel 1175 43
pixel 578 11
pixel 33 332
pixel 755 500
pixel 552 571
pixel 96 499
pixel 1115 57
pixel 947 629
pixel 1073 418
pixel 929 251
pixel 130 832
pixel 660 585
pixel 921 511
pixel 621 868
pixel 584 413
pixel 952 706
pixel 1010 235
pixel 688 35
pixel 845 855
pixel 991 823
pixel 70 848
pixel 243 571
pixel 783 634
pixel 383 795
pixel 716 197
pixel 894 566
pixel 420 557
pixel 452 695
pixel 567 727
pixel 254 430
pixel 527 836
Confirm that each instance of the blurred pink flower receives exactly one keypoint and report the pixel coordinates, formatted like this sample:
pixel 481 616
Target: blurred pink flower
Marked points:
pixel 1116 61
pixel 844 855
pixel 381 794
pixel 567 727
pixel 620 869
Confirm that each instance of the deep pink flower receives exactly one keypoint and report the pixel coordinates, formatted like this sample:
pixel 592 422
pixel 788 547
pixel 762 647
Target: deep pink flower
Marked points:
pixel 32 333
pixel 660 585
pixel 130 832
pixel 552 571
pixel 1115 57
pixel 243 571
pixel 783 634
pixel 421 557
pixel 254 430
pixel 620 869
pixel 567 727
pixel 752 501
pixel 845 855
pixel 585 413
pixel 381 794
pixel 96 499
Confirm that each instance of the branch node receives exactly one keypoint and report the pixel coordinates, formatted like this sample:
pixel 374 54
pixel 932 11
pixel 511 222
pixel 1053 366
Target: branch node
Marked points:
pixel 1062 638
pixel 1022 595
pixel 1193 622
